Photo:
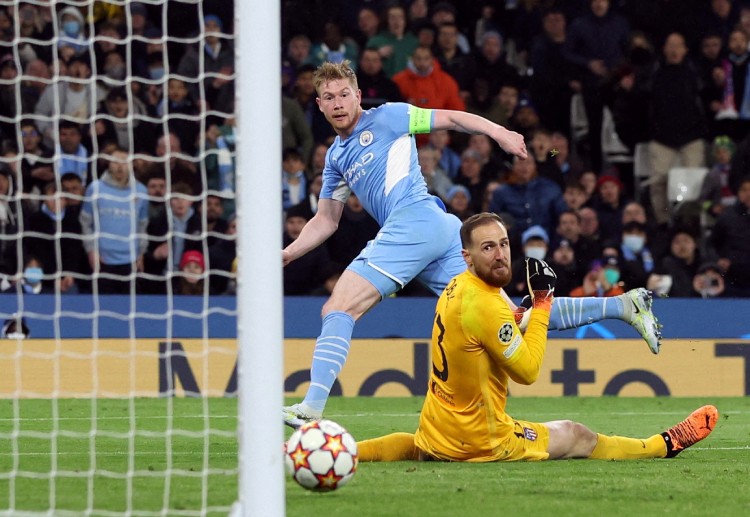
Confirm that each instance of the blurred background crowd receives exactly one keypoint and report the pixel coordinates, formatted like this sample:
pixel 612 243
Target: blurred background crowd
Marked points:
pixel 117 119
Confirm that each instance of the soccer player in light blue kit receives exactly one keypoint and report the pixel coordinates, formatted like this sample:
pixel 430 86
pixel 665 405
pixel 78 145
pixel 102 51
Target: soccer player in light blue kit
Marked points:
pixel 375 157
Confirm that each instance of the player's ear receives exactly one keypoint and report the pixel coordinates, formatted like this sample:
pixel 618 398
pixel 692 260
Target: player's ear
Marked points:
pixel 467 258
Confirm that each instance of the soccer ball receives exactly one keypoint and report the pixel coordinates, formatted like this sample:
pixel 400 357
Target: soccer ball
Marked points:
pixel 321 456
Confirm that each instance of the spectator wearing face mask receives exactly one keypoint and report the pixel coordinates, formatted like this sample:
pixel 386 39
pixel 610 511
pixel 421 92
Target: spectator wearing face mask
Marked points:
pixel 603 279
pixel 535 243
pixel 29 283
pixel 72 41
pixel 637 260
pixel 51 238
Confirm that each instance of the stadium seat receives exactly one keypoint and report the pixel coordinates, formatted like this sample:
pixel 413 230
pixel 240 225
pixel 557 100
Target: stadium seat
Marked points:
pixel 579 124
pixel 684 183
pixel 614 151
pixel 641 169
pixel 683 192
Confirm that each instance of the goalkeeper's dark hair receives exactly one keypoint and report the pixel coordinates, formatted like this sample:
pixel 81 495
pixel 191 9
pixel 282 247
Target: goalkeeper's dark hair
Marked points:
pixel 476 221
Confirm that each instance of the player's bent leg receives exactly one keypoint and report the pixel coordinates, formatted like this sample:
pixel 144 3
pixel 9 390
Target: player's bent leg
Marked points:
pixel 392 447
pixel 696 427
pixel 404 247
pixel 568 439
pixel 353 294
pixel 351 298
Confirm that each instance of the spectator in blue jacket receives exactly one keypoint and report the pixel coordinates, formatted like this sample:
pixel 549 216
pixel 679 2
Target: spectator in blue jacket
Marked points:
pixel 529 199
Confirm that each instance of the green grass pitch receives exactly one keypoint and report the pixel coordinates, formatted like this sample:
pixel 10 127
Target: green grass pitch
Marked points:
pixel 709 479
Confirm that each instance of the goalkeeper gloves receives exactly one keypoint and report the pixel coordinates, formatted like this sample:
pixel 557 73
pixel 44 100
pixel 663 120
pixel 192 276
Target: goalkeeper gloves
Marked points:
pixel 522 313
pixel 541 279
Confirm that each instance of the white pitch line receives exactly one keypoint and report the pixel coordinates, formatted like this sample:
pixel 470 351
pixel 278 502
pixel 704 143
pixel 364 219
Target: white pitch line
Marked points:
pixel 745 448
pixel 137 417
pixel 234 453
pixel 524 416
pixel 356 415
pixel 117 454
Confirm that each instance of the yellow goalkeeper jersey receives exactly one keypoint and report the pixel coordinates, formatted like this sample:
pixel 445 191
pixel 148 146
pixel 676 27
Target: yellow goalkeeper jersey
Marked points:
pixel 476 348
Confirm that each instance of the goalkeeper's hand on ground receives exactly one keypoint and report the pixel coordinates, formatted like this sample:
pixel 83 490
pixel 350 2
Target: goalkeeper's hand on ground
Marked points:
pixel 541 279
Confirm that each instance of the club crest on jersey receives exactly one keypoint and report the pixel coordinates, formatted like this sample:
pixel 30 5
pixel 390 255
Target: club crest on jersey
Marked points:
pixel 505 334
pixel 366 138
pixel 529 434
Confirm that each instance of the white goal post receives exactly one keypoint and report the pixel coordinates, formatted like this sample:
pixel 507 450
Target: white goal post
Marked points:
pixel 140 243
pixel 259 297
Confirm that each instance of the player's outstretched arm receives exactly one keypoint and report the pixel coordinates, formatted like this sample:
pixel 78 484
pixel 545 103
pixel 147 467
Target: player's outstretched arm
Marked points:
pixel 316 231
pixel 510 141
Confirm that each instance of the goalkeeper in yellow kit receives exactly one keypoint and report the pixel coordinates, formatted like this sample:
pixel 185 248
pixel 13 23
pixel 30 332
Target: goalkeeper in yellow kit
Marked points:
pixel 477 347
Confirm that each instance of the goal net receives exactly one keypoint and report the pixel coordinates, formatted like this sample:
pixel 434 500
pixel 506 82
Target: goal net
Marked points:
pixel 118 348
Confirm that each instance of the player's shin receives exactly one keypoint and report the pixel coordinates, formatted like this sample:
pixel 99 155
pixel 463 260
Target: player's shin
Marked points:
pixel 623 448
pixel 329 356
pixel 568 313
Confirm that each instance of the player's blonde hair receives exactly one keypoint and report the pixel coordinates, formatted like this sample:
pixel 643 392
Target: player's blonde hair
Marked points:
pixel 333 72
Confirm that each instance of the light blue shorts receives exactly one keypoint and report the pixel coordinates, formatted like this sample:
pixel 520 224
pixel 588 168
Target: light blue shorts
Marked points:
pixel 419 241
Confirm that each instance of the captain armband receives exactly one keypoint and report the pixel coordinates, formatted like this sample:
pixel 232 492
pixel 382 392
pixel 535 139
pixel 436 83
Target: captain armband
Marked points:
pixel 420 120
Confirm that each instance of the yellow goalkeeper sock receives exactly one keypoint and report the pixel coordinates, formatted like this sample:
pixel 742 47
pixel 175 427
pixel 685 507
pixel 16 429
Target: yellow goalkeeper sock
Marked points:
pixel 392 447
pixel 622 448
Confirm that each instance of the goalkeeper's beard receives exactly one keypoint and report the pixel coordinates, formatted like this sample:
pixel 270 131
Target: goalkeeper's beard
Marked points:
pixel 497 275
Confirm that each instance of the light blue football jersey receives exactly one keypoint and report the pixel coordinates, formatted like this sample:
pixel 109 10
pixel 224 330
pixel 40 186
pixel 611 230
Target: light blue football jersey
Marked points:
pixel 378 162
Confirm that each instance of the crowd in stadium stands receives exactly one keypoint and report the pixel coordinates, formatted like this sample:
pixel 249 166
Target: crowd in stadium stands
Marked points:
pixel 619 100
